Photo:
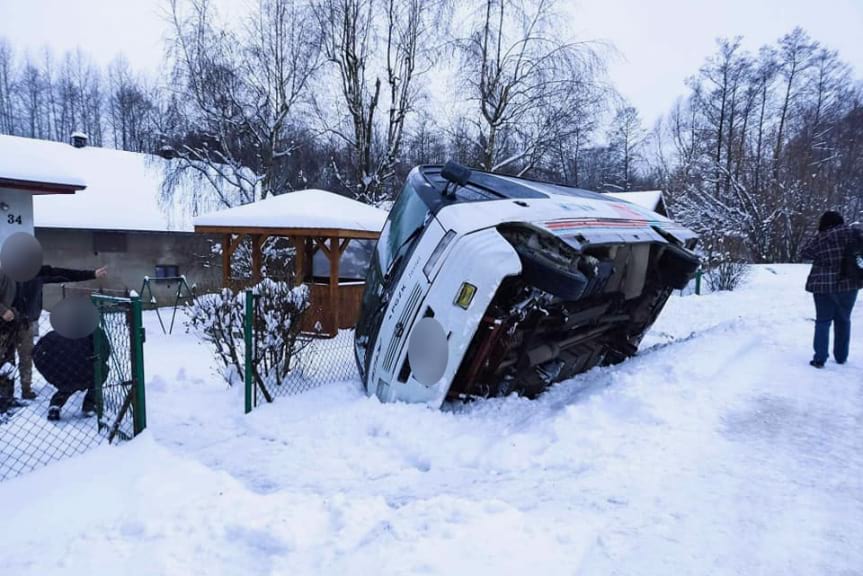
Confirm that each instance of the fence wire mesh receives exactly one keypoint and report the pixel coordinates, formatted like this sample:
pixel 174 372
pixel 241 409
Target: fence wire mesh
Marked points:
pixel 315 361
pixel 61 397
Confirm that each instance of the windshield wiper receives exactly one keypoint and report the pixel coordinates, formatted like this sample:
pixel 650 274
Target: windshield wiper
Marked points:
pixel 400 254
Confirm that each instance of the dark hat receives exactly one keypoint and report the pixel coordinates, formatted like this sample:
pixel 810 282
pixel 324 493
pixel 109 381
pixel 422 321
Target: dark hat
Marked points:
pixel 830 219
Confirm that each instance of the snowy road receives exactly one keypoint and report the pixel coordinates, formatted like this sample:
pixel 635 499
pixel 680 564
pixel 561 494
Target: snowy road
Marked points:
pixel 717 450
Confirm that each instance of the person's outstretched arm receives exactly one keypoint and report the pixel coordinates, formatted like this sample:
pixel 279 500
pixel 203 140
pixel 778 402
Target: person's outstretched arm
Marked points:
pixel 55 275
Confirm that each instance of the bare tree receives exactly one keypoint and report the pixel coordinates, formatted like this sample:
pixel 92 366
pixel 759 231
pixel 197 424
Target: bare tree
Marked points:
pixel 236 91
pixel 626 138
pixel 763 144
pixel 8 124
pixel 376 99
pixel 522 76
pixel 129 109
pixel 31 99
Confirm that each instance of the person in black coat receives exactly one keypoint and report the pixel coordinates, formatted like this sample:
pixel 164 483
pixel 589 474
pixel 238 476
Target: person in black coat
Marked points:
pixel 70 366
pixel 8 332
pixel 28 304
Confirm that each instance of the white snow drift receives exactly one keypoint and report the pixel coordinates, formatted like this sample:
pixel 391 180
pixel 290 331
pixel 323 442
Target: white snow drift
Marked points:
pixel 717 450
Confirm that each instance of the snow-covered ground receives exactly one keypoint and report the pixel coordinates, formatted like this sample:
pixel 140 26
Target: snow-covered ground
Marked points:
pixel 717 450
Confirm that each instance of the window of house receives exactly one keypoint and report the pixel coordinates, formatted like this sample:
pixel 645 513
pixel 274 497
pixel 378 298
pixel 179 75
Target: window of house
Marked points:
pixel 109 242
pixel 167 271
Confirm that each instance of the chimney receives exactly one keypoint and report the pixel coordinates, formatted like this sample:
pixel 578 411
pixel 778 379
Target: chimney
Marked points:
pixel 79 139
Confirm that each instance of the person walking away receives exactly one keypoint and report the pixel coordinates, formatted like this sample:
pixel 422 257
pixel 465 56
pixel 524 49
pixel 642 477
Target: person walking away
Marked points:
pixel 69 366
pixel 8 330
pixel 28 301
pixel 834 290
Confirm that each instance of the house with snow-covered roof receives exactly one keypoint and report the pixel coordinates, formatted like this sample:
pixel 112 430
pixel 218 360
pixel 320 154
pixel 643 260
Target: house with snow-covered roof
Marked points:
pixel 115 217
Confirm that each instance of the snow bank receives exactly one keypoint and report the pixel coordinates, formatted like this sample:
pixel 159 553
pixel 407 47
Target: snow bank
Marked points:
pixel 717 450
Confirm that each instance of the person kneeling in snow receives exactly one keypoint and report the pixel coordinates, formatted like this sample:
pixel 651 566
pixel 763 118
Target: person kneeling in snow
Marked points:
pixel 70 366
pixel 834 283
pixel 28 303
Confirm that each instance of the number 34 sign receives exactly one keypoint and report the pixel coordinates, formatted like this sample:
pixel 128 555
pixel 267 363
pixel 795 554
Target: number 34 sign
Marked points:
pixel 16 213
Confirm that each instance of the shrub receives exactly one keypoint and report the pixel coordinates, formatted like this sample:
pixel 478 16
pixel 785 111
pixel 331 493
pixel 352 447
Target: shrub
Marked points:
pixel 276 330
pixel 725 266
pixel 726 274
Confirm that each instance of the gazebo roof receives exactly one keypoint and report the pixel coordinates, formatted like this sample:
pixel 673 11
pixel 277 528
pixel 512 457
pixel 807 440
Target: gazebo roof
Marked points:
pixel 301 213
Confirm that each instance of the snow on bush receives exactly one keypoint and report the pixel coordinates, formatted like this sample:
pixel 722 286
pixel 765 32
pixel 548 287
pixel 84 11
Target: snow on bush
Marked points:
pixel 276 329
pixel 726 268
pixel 277 258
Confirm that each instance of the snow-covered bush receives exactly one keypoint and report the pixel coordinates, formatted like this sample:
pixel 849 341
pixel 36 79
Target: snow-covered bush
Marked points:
pixel 276 329
pixel 278 317
pixel 725 265
pixel 218 319
pixel 726 275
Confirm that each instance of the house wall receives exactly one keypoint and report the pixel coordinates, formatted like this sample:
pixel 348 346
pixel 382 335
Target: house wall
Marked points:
pixel 130 256
pixel 16 212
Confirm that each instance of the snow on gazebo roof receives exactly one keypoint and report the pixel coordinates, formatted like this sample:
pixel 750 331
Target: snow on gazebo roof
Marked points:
pixel 303 211
pixel 24 164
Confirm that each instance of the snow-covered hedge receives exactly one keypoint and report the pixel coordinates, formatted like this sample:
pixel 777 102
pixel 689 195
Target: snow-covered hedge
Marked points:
pixel 218 319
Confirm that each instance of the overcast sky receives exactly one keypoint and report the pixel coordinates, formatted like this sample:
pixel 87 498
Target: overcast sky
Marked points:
pixel 659 42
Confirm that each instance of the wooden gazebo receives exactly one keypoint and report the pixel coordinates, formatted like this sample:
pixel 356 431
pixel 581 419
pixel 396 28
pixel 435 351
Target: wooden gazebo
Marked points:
pixel 312 220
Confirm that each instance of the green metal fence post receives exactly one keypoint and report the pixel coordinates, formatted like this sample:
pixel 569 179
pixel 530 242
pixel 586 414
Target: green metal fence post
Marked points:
pixel 98 367
pixel 248 319
pixel 139 409
pixel 698 282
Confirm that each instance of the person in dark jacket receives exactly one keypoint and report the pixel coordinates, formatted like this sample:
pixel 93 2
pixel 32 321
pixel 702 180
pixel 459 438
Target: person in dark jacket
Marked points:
pixel 69 366
pixel 28 303
pixel 834 293
pixel 8 331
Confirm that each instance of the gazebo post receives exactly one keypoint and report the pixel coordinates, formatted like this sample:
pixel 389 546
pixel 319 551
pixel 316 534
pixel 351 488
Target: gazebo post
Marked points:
pixel 308 265
pixel 299 259
pixel 226 259
pixel 335 258
pixel 257 259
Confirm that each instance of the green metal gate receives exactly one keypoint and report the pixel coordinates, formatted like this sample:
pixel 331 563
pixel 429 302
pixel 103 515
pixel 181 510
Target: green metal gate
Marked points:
pixel 120 398
pixel 28 440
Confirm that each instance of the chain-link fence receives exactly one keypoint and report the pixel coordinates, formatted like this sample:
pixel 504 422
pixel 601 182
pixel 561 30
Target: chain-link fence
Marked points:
pixel 62 396
pixel 313 361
